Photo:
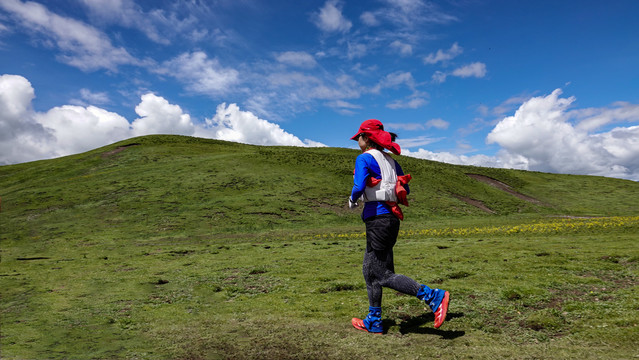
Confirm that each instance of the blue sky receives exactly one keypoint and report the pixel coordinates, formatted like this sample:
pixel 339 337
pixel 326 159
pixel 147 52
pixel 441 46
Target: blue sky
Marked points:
pixel 537 85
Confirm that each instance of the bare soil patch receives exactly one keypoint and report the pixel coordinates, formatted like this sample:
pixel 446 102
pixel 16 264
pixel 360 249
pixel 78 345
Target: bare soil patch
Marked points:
pixel 118 149
pixel 504 187
pixel 476 203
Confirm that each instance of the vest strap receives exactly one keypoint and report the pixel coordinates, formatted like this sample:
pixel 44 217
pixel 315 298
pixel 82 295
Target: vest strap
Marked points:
pixel 385 189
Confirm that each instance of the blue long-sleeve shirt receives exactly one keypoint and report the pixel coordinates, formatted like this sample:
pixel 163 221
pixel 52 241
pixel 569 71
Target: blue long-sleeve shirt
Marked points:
pixel 365 166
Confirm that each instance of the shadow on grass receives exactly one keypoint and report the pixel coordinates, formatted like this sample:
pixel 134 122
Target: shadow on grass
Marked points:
pixel 415 325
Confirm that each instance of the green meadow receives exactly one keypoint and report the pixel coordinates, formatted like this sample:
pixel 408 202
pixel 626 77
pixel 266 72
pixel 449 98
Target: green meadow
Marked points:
pixel 170 247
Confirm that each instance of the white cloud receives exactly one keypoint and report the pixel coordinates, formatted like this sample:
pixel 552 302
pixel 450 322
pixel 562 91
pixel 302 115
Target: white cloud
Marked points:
pixel 76 128
pixel 201 74
pixel 27 135
pixel 81 45
pixel 95 98
pixel 344 107
pixel 296 79
pixel 297 58
pixel 330 18
pixel 369 18
pixel 438 124
pixel 540 137
pixel 404 126
pixel 476 69
pixel 394 80
pixel 157 116
pixel 409 13
pixel 411 103
pixel 128 14
pixel 232 124
pixel 403 48
pixel 444 55
pixel 21 137
pixel 439 77
pixel 16 94
pixel 415 142
pixel 447 157
pixel 593 119
pixel 356 50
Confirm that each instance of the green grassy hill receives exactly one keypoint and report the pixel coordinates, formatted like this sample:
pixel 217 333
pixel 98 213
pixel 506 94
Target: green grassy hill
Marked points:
pixel 169 247
pixel 155 185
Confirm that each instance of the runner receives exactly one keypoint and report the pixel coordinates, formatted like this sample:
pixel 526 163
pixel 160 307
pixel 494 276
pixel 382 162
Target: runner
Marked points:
pixel 380 183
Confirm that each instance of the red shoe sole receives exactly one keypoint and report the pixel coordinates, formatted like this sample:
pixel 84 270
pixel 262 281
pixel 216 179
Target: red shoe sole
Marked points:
pixel 359 325
pixel 440 314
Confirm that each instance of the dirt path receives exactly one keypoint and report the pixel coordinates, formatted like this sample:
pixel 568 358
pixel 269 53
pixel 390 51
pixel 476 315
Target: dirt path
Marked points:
pixel 476 203
pixel 504 187
pixel 118 149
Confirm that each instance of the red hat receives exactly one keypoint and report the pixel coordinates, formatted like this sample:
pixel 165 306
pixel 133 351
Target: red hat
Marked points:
pixel 374 130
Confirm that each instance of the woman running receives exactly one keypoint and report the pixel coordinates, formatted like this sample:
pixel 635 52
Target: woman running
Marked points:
pixel 378 180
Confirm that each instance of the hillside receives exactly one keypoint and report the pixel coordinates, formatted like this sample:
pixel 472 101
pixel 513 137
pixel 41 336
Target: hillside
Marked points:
pixel 156 185
pixel 168 247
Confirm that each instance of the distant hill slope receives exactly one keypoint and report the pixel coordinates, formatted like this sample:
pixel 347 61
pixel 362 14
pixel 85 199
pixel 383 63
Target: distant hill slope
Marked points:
pixel 184 185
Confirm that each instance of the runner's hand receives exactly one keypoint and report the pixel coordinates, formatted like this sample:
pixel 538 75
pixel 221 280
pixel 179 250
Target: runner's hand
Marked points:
pixel 352 204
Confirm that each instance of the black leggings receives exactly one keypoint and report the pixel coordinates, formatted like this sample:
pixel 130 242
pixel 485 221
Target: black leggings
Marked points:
pixel 378 269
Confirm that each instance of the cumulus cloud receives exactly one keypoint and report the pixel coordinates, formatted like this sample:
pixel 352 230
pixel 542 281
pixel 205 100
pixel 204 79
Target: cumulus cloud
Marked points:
pixel 80 45
pixel 21 137
pixel 157 116
pixel 27 135
pixel 450 158
pixel 330 18
pixel 75 129
pixel 545 135
pixel 541 137
pixel 444 55
pixel 232 124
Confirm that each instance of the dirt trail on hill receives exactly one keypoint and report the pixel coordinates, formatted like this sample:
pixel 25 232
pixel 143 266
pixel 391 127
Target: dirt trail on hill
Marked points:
pixel 118 149
pixel 504 187
pixel 497 184
pixel 476 203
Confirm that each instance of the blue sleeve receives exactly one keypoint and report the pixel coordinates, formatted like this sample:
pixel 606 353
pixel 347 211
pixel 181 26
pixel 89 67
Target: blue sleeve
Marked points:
pixel 361 174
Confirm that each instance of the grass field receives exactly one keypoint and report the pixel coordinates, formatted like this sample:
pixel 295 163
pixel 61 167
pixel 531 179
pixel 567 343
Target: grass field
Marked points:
pixel 185 248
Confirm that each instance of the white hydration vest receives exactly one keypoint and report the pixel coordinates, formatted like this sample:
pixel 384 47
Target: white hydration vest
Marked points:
pixel 385 189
